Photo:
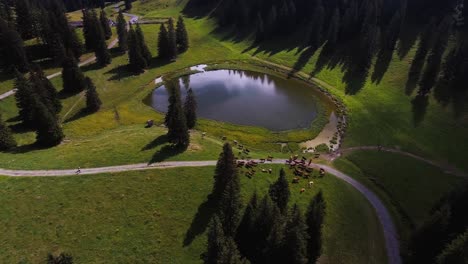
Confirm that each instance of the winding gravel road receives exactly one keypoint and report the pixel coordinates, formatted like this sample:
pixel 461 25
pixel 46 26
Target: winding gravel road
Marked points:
pixel 389 229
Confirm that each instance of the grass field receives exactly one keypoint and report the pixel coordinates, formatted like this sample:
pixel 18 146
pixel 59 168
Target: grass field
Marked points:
pixel 147 217
pixel 410 188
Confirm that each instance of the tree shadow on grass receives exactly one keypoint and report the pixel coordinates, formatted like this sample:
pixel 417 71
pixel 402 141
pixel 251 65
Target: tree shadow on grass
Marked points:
pixel 166 152
pixel 122 71
pixel 200 221
pixel 80 114
pixel 155 143
pixel 381 66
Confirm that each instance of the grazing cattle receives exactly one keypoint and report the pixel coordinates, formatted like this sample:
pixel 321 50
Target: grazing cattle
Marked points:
pixel 235 142
pixel 223 138
pixel 311 183
pixel 264 171
pixel 303 190
pixel 322 172
pixel 270 171
pixel 203 134
pixel 262 160
pixel 295 180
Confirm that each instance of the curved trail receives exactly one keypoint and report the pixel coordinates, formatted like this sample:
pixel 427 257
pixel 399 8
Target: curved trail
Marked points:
pixel 389 229
pixel 447 168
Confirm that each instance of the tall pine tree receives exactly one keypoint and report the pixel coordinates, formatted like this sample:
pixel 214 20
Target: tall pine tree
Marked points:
pixel 314 219
pixel 182 39
pixel 122 32
pixel 142 44
pixel 12 51
pixel 48 133
pixel 136 60
pixel 178 133
pixel 163 43
pixel 225 171
pixel 24 99
pixel 105 24
pixel 103 56
pixel 295 238
pixel 72 76
pixel 190 109
pixel 172 40
pixel 93 103
pixel 7 141
pixel 280 193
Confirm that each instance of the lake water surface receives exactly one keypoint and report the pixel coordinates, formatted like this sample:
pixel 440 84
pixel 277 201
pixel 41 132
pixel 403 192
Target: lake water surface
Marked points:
pixel 248 98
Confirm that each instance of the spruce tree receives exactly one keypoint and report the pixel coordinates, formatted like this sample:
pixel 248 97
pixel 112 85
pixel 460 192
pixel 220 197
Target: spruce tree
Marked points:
pixel 314 219
pixel 122 32
pixel 128 5
pixel 24 18
pixel 103 56
pixel 142 44
pixel 274 251
pixel 24 99
pixel 12 51
pixel 93 103
pixel 190 109
pixel 163 43
pixel 230 206
pixel 48 133
pixel 216 241
pixel 72 76
pixel 57 48
pixel 456 252
pixel 182 39
pixel 230 254
pixel 7 141
pixel 246 229
pixel 334 29
pixel 178 133
pixel 295 238
pixel 225 171
pixel 135 58
pixel 45 90
pixel 263 225
pixel 280 193
pixel 171 37
pixel 88 25
pixel 105 24
pixel 316 28
pixel 393 31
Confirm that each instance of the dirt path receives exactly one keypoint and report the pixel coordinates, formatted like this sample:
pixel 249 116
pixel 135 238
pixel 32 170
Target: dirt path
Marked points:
pixel 388 227
pixel 447 168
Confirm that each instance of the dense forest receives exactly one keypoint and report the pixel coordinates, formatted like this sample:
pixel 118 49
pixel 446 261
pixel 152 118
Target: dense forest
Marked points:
pixel 359 34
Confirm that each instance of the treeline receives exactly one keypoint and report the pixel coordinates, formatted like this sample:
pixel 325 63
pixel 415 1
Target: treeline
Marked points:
pixel 443 238
pixel 268 231
pixel 46 20
pixel 360 34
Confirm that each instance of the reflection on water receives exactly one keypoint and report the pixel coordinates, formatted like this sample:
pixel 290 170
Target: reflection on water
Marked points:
pixel 247 98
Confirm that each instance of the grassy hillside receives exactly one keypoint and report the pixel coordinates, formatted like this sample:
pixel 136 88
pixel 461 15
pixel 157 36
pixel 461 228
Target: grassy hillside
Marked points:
pixel 157 217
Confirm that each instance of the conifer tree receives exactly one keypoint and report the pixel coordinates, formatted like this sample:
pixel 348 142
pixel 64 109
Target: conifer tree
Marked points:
pixel 48 133
pixel 163 43
pixel 93 103
pixel 314 219
pixel 24 99
pixel 45 90
pixel 280 193
pixel 136 60
pixel 128 4
pixel 122 32
pixel 456 252
pixel 334 29
pixel 12 51
pixel 182 39
pixel 231 254
pixel 190 109
pixel 105 24
pixel 263 225
pixel 230 206
pixel 316 29
pixel 246 229
pixel 57 48
pixel 225 171
pixel 88 25
pixel 274 251
pixel 171 37
pixel 295 238
pixel 142 44
pixel 24 18
pixel 216 241
pixel 393 31
pixel 260 28
pixel 103 57
pixel 72 76
pixel 7 141
pixel 178 133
